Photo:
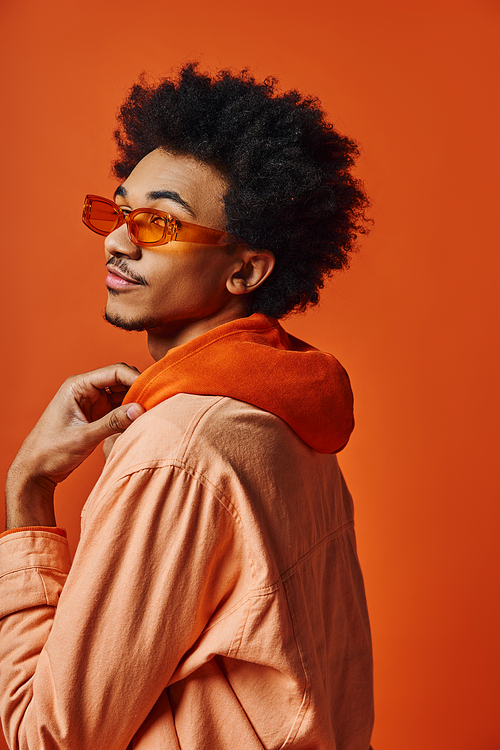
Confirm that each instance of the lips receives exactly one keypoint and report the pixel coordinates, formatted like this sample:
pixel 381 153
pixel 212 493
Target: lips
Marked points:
pixel 117 279
pixel 113 281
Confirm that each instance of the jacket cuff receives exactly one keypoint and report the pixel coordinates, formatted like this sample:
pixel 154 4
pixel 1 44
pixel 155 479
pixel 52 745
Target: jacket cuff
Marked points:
pixel 33 569
pixel 53 529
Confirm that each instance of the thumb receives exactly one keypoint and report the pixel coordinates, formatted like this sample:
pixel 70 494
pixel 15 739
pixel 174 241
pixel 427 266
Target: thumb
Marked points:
pixel 116 421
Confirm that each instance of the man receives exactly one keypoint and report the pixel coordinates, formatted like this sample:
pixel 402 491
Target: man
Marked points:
pixel 215 600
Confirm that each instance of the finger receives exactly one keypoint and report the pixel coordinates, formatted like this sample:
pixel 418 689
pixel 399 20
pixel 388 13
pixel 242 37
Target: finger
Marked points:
pixel 115 396
pixel 87 388
pixel 112 376
pixel 114 423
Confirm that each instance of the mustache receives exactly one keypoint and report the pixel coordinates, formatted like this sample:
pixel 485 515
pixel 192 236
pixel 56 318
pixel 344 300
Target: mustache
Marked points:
pixel 120 264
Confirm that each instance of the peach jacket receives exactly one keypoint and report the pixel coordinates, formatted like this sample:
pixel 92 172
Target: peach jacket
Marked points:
pixel 215 601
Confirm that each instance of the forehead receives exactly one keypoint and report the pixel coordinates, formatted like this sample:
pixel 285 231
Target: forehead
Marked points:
pixel 198 184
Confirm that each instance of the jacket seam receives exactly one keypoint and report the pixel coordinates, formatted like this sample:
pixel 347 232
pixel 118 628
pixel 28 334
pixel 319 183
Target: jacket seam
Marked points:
pixel 193 425
pixel 332 535
pixel 36 568
pixel 166 463
pixel 43 585
pixel 238 636
pixel 40 535
pixel 306 698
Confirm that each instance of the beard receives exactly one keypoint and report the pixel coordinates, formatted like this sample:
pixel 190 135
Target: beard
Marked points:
pixel 142 324
pixel 137 324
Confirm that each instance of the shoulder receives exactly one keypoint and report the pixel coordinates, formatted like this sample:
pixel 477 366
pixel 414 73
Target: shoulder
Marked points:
pixel 165 453
pixel 187 426
pixel 220 442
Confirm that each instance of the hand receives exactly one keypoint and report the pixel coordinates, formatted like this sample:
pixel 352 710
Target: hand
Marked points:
pixel 85 411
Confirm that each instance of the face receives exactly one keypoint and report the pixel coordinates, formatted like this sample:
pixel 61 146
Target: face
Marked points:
pixel 174 286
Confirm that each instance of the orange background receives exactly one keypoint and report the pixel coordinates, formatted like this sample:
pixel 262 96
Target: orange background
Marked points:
pixel 413 321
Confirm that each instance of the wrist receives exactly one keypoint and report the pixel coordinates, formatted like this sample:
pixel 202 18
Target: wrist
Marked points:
pixel 29 499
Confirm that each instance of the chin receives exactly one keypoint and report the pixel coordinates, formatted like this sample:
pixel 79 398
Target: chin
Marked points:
pixel 129 324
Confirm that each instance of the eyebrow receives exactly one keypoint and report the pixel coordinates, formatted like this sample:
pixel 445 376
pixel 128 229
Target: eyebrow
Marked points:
pixel 170 195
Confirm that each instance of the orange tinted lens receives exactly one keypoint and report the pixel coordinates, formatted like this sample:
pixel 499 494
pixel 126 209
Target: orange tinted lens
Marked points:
pixel 102 217
pixel 147 227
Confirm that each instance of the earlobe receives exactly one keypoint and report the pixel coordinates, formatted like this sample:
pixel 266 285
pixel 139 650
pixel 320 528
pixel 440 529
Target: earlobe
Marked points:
pixel 254 268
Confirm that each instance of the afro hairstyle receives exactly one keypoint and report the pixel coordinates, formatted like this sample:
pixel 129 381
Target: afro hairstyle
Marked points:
pixel 288 170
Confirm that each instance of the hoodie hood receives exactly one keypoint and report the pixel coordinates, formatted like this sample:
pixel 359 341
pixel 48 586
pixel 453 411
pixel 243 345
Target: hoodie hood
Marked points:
pixel 254 360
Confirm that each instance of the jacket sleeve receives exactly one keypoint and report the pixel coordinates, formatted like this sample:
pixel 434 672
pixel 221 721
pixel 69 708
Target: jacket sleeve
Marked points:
pixel 86 651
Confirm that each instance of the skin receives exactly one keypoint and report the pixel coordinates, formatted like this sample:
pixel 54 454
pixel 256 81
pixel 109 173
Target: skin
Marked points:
pixel 185 290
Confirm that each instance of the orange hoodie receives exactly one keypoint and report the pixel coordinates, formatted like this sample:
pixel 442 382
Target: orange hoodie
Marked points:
pixel 254 360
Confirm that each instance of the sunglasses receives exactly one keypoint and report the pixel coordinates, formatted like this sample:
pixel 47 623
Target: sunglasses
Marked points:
pixel 148 227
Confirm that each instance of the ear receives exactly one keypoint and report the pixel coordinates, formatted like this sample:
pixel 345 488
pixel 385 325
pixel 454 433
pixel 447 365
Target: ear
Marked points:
pixel 253 269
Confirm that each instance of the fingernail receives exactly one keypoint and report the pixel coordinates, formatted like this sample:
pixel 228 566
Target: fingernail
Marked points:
pixel 134 411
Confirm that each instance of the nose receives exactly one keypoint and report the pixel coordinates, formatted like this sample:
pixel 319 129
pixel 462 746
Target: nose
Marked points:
pixel 118 244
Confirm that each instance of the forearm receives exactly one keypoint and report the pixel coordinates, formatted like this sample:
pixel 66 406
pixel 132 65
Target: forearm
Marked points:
pixel 29 500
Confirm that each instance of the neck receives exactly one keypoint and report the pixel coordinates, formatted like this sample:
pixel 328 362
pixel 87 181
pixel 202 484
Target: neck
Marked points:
pixel 162 339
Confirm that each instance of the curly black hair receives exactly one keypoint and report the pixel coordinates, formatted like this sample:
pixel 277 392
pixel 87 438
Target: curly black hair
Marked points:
pixel 288 170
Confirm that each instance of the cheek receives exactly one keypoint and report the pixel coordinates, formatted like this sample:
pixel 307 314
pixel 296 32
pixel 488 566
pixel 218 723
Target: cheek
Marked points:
pixel 195 277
